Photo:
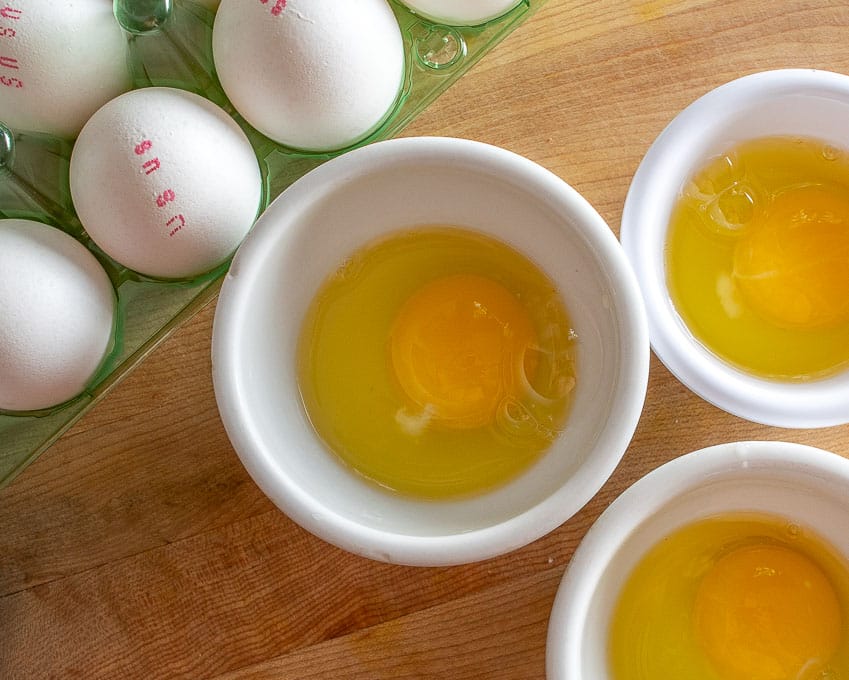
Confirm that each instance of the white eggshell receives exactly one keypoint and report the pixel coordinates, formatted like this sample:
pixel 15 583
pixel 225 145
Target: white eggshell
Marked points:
pixel 461 12
pixel 57 314
pixel 310 74
pixel 165 182
pixel 59 62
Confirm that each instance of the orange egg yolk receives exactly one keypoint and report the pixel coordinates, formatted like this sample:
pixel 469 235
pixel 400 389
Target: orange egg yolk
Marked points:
pixel 793 268
pixel 767 613
pixel 456 345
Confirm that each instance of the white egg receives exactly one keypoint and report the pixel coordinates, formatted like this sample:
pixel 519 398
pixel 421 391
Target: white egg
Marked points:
pixel 310 74
pixel 59 62
pixel 57 315
pixel 165 182
pixel 461 12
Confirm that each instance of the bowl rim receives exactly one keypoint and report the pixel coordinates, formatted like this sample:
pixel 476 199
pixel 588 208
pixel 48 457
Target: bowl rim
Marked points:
pixel 452 548
pixel 810 404
pixel 640 502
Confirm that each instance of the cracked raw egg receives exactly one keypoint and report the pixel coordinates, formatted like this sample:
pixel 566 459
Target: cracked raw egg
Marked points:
pixel 734 597
pixel 437 362
pixel 757 257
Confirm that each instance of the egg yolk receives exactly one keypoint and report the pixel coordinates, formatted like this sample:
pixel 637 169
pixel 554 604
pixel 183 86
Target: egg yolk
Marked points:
pixel 456 345
pixel 793 268
pixel 767 613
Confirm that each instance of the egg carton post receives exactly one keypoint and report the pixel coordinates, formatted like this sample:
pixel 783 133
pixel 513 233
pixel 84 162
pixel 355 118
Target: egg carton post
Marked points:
pixel 167 44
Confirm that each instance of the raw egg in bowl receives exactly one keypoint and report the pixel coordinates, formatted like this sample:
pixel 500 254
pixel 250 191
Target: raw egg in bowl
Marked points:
pixel 737 225
pixel 430 351
pixel 731 562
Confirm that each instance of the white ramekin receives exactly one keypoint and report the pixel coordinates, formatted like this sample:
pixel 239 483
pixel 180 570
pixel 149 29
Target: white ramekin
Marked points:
pixel 806 103
pixel 803 484
pixel 325 216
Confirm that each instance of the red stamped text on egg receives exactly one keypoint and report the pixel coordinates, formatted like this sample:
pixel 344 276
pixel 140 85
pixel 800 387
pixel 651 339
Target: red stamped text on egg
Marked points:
pixel 165 197
pixel 279 6
pixel 151 166
pixel 7 61
pixel 11 13
pixel 176 222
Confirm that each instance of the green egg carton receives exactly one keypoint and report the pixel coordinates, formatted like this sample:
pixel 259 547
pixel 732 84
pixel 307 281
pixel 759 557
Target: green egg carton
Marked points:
pixel 170 45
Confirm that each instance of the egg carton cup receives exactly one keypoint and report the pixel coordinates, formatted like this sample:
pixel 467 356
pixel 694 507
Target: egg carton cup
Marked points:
pixel 170 45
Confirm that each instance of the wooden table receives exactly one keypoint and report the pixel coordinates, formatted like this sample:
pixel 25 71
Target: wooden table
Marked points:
pixel 138 547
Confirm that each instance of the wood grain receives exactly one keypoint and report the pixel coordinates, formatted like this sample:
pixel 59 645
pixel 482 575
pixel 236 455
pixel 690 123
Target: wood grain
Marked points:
pixel 138 547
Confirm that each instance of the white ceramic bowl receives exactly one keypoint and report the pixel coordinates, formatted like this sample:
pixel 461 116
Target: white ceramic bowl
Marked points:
pixel 804 484
pixel 807 103
pixel 325 216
